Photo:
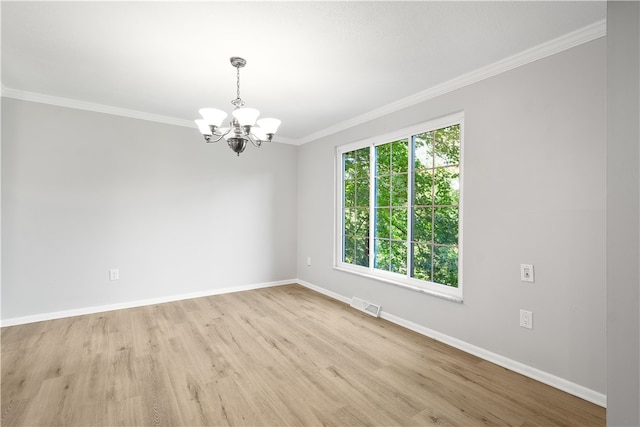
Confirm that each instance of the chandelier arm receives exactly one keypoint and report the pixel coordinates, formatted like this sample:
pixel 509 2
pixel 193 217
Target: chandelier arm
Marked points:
pixel 209 138
pixel 226 133
pixel 257 142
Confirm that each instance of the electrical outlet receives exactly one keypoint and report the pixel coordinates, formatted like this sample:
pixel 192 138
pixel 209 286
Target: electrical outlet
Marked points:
pixel 114 274
pixel 526 319
pixel 309 261
pixel 526 273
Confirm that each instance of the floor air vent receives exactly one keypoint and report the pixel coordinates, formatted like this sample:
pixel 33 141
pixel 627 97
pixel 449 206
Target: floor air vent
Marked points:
pixel 365 306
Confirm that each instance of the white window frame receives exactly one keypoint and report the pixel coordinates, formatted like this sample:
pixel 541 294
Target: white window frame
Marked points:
pixel 431 288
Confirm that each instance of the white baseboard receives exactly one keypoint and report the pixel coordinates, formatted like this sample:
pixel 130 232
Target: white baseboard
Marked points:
pixel 139 303
pixel 324 291
pixel 526 370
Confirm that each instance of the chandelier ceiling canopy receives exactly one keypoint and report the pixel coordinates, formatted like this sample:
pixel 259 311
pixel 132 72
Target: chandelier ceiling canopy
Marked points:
pixel 243 128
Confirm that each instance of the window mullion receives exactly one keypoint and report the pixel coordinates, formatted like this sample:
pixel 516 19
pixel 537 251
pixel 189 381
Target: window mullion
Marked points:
pixel 410 191
pixel 433 203
pixel 372 203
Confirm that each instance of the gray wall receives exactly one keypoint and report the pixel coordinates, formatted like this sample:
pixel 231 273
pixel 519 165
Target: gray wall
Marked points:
pixel 83 192
pixel 534 188
pixel 623 214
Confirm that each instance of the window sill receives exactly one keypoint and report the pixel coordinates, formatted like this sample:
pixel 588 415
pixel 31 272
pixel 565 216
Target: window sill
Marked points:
pixel 437 294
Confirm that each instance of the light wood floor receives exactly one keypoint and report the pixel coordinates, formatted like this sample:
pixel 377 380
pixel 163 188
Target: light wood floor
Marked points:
pixel 269 357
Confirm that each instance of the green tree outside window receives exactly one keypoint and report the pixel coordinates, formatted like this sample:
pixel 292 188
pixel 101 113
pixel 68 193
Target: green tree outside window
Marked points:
pixel 356 185
pixel 415 207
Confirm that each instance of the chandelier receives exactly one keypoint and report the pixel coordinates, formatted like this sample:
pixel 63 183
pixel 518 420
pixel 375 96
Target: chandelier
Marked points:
pixel 243 128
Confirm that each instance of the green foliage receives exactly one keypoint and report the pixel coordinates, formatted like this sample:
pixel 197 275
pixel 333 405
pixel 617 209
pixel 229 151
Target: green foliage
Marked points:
pixel 383 223
pixel 398 257
pixel 362 251
pixel 349 249
pixel 392 189
pixel 423 185
pixel 445 265
pixel 445 225
pixel 435 210
pixel 422 261
pixel 356 207
pixel 383 159
pixel 399 189
pixel 446 186
pixel 399 156
pixel 362 192
pixel 382 254
pixel 383 190
pixel 434 179
pixel 447 146
pixel 348 165
pixel 399 224
pixel 423 224
pixel 362 163
pixel 391 255
pixel 423 150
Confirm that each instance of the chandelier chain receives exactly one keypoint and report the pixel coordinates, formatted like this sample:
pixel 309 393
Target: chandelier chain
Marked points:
pixel 238 102
pixel 238 81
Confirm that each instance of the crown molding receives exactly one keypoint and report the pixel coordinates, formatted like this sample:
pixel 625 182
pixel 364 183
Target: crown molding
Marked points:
pixel 90 106
pixel 107 109
pixel 575 38
pixel 567 41
pixel 285 140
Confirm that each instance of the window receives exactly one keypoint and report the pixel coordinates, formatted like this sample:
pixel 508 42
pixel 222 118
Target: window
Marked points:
pixel 399 207
pixel 356 207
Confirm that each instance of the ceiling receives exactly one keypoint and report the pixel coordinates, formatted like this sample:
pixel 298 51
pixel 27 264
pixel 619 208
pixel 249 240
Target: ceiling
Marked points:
pixel 314 65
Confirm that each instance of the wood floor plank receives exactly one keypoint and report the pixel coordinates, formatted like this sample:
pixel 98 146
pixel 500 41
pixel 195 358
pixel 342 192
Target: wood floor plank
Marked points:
pixel 283 356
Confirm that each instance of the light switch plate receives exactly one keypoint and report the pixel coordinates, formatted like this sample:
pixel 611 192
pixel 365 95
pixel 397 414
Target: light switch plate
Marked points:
pixel 526 273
